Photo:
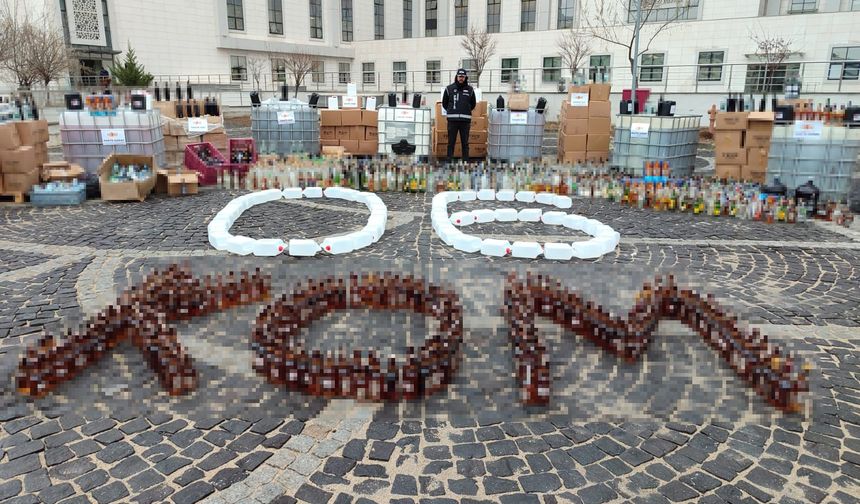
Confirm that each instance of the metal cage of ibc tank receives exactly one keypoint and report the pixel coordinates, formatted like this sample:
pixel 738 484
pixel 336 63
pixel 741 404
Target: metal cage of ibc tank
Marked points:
pixel 510 140
pixel 277 133
pixel 671 139
pixel 404 123
pixel 81 135
pixel 829 160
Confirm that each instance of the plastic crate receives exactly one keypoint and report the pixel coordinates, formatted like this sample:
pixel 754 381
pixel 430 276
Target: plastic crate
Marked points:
pixel 242 143
pixel 671 139
pixel 515 142
pixel 72 196
pixel 404 123
pixel 300 136
pixel 207 174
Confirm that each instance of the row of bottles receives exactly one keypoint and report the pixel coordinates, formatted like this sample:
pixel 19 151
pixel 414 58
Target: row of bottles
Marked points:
pixel 206 156
pixel 129 172
pixel 18 109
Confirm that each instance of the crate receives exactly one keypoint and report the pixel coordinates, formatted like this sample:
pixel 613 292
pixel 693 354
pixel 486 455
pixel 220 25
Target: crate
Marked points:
pixel 404 123
pixel 830 162
pixel 242 143
pixel 515 142
pixel 300 136
pixel 671 139
pixel 73 195
pixel 207 175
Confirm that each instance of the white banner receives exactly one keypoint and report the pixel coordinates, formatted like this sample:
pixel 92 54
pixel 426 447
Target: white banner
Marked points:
pixel 519 117
pixel 639 130
pixel 404 114
pixel 809 129
pixel 351 89
pixel 198 125
pixel 579 99
pixel 332 103
pixel 113 136
pixel 370 103
pixel 349 101
pixel 286 117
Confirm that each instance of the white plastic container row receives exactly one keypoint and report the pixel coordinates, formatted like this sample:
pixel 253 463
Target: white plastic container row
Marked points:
pixel 221 239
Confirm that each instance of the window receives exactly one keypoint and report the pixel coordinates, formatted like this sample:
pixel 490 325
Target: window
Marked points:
pixel 434 74
pixel 399 72
pixel 552 69
pixel 763 78
pixel 598 66
pixel 855 5
pixel 407 18
pixel 668 10
pixel 238 68
pixel 494 16
pixel 378 19
pixel 510 69
pixel 276 17
pixel 279 70
pixel 368 73
pixel 652 68
pixel 528 8
pixel 346 20
pixel 344 74
pixel 799 6
pixel 316 19
pixel 461 17
pixel 565 14
pixel 469 65
pixel 430 17
pixel 711 66
pixel 318 72
pixel 844 63
pixel 235 17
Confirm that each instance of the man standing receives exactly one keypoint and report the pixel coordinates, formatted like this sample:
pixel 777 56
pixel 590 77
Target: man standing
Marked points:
pixel 458 102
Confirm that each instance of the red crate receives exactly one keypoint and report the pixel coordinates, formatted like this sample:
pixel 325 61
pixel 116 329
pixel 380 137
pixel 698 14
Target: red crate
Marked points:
pixel 207 175
pixel 242 143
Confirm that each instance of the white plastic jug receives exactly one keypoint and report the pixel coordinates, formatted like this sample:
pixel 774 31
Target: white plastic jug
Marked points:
pixel 506 195
pixel 467 243
pixel 241 245
pixel 526 250
pixel 303 248
pixel 338 245
pixel 269 247
pixel 462 218
pixel 313 192
pixel 495 248
pixel 557 251
pixel 529 215
pixel 545 198
pixel 526 196
pixel 468 195
pixel 486 195
pixel 484 216
pixel 292 193
pixel 506 214
pixel 553 218
pixel 563 202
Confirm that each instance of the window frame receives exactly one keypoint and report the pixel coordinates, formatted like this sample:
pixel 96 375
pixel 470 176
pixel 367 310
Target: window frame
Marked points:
pixel 407 19
pixel 344 77
pixel 243 75
pixel 276 17
pixel 365 73
pixel 378 19
pixel 430 72
pixel 279 70
pixel 710 66
pixel 661 14
pixel 592 68
pixel 399 76
pixel 853 64
pixel 318 74
pixel 527 25
pixel 347 33
pixel 461 17
pixel 431 32
pixel 755 70
pixel 651 68
pixel 315 28
pixel 571 6
pixel 494 5
pixel 556 70
pixel 803 8
pixel 236 19
pixel 508 72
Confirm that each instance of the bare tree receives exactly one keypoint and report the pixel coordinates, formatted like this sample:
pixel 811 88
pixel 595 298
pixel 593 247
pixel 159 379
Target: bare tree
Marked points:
pixel 50 58
pixel 573 46
pixel 256 67
pixel 480 47
pixel 773 51
pixel 610 21
pixel 299 65
pixel 17 28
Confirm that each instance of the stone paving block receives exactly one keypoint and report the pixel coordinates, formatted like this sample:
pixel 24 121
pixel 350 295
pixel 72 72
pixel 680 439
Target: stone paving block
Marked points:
pixel 170 465
pixel 24 449
pixel 313 495
pixel 36 481
pixel 501 448
pixel 111 492
pixel 56 493
pixel 305 464
pixel 193 493
pixel 540 483
pixel 62 438
pixel 493 485
pixel 190 475
pixel 300 443
pixel 69 470
pixel 227 477
pixel 253 460
pixel 58 455
pixel 45 429
pixel 596 494
pixel 437 466
pixel 282 458
pixel 127 467
pixel 158 452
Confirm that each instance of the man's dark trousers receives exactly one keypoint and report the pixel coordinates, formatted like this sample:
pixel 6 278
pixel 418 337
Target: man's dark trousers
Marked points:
pixel 458 128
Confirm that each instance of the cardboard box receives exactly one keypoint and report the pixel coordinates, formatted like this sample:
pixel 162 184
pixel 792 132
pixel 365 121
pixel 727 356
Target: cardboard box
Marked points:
pixel 20 182
pixel 177 128
pixel 330 118
pixel 356 133
pixel 597 157
pixel 368 147
pixel 759 133
pixel 599 125
pixel 329 142
pixel 599 109
pixel 728 171
pixel 182 183
pixel 171 144
pixel 351 117
pixel 441 122
pixel 573 157
pixel 480 109
pixel 441 137
pixel 9 139
pixel 351 146
pixel 218 140
pixel 41 153
pixel 731 121
pixel 757 158
pixel 61 172
pixel 732 156
pixel 599 92
pixel 328 132
pixel 573 143
pixel 342 132
pixel 575 126
pixel 21 160
pixel 478 137
pixel 598 143
pixel 731 139
pixel 577 89
pixel 32 132
pixel 569 113
pixel 126 191
pixel 518 101
pixel 333 151
pixel 371 134
pixel 370 118
pixel 753 175
pixel 480 123
pixel 174 159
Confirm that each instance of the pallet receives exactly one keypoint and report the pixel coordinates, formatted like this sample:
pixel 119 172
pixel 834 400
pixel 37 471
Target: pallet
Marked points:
pixel 17 197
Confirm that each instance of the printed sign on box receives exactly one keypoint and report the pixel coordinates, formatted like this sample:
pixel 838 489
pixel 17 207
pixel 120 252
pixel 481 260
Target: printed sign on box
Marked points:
pixel 579 99
pixel 370 103
pixel 198 125
pixel 332 103
pixel 114 136
pixel 639 130
pixel 404 114
pixel 286 117
pixel 350 101
pixel 351 89
pixel 808 129
pixel 519 117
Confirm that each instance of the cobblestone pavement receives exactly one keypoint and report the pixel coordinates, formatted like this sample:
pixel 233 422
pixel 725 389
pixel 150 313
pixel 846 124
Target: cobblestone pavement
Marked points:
pixel 676 426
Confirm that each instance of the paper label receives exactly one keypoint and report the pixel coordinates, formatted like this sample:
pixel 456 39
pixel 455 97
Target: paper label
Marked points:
pixel 672 109
pixel 370 103
pixel 349 101
pixel 579 99
pixel 639 130
pixel 351 89
pixel 114 136
pixel 519 118
pixel 332 103
pixel 404 114
pixel 808 129
pixel 286 117
pixel 198 125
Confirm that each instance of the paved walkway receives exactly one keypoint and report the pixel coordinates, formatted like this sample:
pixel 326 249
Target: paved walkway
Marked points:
pixel 677 426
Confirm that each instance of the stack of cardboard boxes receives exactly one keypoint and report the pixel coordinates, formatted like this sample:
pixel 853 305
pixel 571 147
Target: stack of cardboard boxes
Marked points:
pixel 478 133
pixel 353 129
pixel 23 151
pixel 176 137
pixel 584 125
pixel 742 143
